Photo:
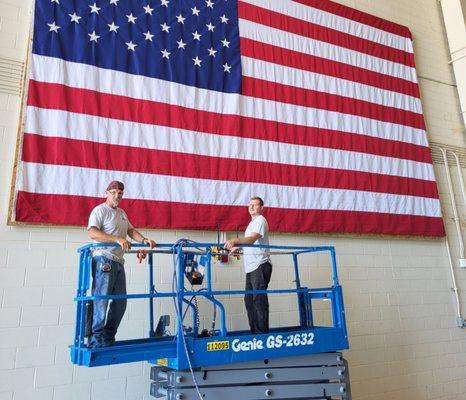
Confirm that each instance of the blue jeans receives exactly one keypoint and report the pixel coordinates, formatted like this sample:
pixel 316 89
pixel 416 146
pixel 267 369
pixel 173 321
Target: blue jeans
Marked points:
pixel 108 278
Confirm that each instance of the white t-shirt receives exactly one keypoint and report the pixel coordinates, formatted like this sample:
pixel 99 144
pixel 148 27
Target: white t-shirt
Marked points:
pixel 253 257
pixel 112 221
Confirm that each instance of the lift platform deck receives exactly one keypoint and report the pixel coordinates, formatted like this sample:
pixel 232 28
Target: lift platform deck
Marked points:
pixel 189 348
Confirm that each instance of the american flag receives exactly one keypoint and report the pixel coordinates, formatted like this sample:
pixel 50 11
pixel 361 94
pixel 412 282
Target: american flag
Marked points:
pixel 196 105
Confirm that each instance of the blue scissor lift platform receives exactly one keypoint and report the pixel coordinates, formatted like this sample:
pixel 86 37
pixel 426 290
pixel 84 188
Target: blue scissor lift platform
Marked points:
pixel 191 349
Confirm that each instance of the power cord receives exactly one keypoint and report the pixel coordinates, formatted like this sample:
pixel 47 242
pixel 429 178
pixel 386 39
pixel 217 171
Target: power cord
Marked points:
pixel 181 242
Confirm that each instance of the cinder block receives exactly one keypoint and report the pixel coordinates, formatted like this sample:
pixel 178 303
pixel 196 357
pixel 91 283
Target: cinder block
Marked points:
pixel 39 315
pixel 62 354
pixel 136 387
pixel 25 296
pixel 76 391
pixel 34 356
pixel 9 317
pixel 7 395
pixel 44 277
pixel 7 358
pixel 3 257
pixel 17 379
pixel 87 375
pixel 125 370
pixel 12 277
pixel 62 258
pixel 19 258
pixel 67 314
pixel 36 394
pixel 53 375
pixel 18 337
pixel 114 389
pixel 58 295
pixel 56 335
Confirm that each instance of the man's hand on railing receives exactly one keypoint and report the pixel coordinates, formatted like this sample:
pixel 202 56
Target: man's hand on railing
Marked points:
pixel 149 242
pixel 125 244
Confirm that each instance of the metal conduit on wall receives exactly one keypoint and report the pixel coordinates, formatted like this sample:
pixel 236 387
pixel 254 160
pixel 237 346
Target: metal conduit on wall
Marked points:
pixel 462 262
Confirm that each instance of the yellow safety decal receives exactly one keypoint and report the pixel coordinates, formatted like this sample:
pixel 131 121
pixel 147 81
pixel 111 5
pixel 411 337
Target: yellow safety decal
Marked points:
pixel 163 362
pixel 218 346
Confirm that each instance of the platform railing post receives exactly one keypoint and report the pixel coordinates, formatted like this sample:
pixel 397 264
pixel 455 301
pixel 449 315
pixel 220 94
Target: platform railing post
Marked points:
pixel 150 264
pixel 85 260
pixel 209 269
pixel 334 266
pixel 336 291
pixel 301 305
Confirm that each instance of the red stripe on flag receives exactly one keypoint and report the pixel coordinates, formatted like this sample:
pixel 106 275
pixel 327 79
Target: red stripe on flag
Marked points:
pixel 358 16
pixel 318 32
pixel 325 101
pixel 75 210
pixel 60 97
pixel 307 62
pixel 86 154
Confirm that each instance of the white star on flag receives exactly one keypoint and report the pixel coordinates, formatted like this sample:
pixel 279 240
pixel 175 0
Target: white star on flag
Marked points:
pixel 212 52
pixel 53 27
pixel 210 3
pixel 164 3
pixel 226 68
pixel 181 44
pixel 224 19
pixel 197 62
pixel 55 1
pixel 148 35
pixel 165 27
pixel 131 45
pixel 195 11
pixel 180 18
pixel 93 37
pixel 165 54
pixel 75 18
pixel 148 10
pixel 225 43
pixel 210 27
pixel 114 2
pixel 112 27
pixel 196 36
pixel 94 8
pixel 131 19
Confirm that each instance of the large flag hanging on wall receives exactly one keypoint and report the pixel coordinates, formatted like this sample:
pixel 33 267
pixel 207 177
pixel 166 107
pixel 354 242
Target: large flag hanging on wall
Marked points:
pixel 196 105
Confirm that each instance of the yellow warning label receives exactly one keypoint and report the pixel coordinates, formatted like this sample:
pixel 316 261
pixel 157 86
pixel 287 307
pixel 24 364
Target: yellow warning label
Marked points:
pixel 163 362
pixel 218 346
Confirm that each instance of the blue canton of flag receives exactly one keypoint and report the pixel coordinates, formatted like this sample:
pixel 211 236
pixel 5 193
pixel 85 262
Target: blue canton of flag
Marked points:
pixel 192 42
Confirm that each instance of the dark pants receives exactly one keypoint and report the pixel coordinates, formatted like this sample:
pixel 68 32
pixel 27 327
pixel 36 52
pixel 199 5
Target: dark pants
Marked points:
pixel 108 278
pixel 257 305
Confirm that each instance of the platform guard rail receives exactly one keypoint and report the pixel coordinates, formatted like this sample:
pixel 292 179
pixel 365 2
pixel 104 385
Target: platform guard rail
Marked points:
pixel 187 348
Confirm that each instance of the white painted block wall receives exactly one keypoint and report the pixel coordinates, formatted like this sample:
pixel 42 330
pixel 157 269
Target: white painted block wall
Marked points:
pixel 400 309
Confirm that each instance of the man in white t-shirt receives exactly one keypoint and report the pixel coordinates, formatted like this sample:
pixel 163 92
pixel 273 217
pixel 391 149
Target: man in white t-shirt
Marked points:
pixel 257 266
pixel 109 224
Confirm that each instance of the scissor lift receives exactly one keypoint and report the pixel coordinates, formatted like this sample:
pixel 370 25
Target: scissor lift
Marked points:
pixel 219 350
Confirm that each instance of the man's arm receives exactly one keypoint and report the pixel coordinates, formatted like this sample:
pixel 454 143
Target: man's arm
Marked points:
pixel 135 235
pixel 99 236
pixel 229 244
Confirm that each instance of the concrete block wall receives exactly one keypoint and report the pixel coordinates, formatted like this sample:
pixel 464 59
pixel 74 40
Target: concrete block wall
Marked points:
pixel 400 309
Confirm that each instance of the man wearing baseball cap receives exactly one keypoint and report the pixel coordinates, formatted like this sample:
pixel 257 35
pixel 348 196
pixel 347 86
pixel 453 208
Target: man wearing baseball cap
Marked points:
pixel 109 224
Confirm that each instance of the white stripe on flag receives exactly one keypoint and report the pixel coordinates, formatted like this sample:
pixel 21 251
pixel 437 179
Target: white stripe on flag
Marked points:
pixel 56 123
pixel 327 84
pixel 47 69
pixel 58 179
pixel 326 19
pixel 291 41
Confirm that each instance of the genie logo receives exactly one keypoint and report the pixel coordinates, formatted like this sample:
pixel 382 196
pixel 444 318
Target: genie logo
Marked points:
pixel 247 345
